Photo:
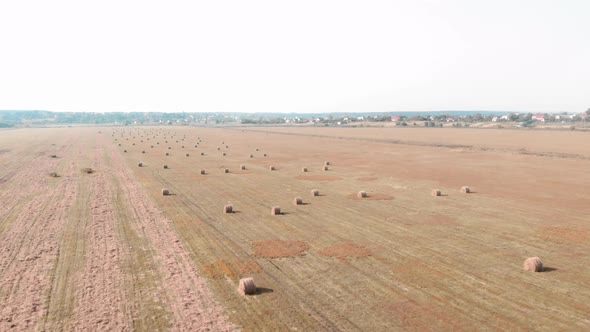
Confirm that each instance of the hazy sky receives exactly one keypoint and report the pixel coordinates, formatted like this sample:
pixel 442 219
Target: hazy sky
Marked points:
pixel 295 56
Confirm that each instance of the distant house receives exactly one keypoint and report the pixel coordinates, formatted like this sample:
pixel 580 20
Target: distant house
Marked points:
pixel 395 118
pixel 539 117
pixel 504 117
pixel 494 119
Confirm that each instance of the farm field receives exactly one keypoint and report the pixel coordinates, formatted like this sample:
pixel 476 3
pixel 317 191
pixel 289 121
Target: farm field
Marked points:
pixel 108 251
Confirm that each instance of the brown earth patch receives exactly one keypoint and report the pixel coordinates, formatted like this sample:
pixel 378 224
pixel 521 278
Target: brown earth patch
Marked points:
pixel 367 178
pixel 418 317
pixel 345 250
pixel 221 268
pixel 565 235
pixel 371 197
pixel 318 177
pixel 279 248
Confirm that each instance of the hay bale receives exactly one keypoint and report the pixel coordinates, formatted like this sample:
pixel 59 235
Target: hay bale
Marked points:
pixel 325 168
pixel 202 153
pixel 125 151
pixel 436 192
pixel 53 156
pixel 152 146
pixel 272 168
pixel 133 143
pixel 187 155
pixel 139 164
pixel 242 167
pixel 226 170
pixel 275 210
pixel 165 166
pixel 361 194
pixel 304 169
pixel 182 146
pixel 297 201
pixel 143 151
pixel 87 170
pixel 228 209
pixel 264 155
pixel 256 149
pixel 53 175
pixel 251 156
pixel 315 192
pixel 533 264
pixel 167 153
pixel 465 190
pixel 202 172
pixel 247 286
pixel 169 148
pixel 326 163
pixel 165 192
pixel 223 153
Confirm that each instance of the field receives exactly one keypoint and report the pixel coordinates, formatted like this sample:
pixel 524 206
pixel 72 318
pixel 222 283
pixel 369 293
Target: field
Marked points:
pixel 107 251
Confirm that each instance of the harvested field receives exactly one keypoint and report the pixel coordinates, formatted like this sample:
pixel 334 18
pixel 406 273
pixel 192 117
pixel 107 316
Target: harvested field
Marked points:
pixel 398 259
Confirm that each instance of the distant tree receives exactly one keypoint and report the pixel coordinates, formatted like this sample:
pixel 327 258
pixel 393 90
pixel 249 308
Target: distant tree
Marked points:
pixel 588 111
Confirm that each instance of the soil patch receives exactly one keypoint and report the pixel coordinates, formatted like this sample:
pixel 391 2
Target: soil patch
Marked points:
pixel 221 269
pixel 368 178
pixel 345 250
pixel 318 177
pixel 279 248
pixel 565 235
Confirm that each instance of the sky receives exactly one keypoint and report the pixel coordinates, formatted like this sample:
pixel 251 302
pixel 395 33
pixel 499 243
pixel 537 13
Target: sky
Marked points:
pixel 295 56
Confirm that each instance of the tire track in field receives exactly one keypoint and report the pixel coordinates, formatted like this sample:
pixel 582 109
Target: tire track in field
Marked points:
pixel 187 294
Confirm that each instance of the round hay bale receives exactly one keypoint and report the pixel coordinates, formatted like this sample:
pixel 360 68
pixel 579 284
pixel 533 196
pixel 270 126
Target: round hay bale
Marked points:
pixel 143 151
pixel 297 201
pixel 272 168
pixel 228 209
pixel 133 143
pixel 182 146
pixel 436 192
pixel 256 149
pixel 53 175
pixel 325 168
pixel 315 192
pixel 169 148
pixel 119 144
pixel 187 155
pixel 195 146
pixel 218 149
pixel 167 153
pixel 152 146
pixel 223 153
pixel 304 169
pixel 202 153
pixel 533 264
pixel 139 164
pixel 165 192
pixel 326 163
pixel 243 167
pixel 125 151
pixel 251 156
pixel 275 210
pixel 165 166
pixel 202 172
pixel 226 170
pixel 264 155
pixel 361 194
pixel 465 190
pixel 247 286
